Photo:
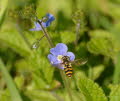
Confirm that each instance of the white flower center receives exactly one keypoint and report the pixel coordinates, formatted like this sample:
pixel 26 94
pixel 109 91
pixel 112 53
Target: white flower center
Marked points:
pixel 59 57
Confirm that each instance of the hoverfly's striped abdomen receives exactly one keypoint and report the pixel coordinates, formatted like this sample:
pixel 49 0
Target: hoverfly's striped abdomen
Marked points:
pixel 68 69
pixel 67 65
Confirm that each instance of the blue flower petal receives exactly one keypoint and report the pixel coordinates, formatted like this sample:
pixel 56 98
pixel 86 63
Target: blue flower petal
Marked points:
pixel 60 66
pixel 44 24
pixel 49 22
pixel 55 62
pixel 35 29
pixel 54 51
pixel 50 16
pixel 60 49
pixel 37 25
pixel 53 59
pixel 50 19
pixel 71 55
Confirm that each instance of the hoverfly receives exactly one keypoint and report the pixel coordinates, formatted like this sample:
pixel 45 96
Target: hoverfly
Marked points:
pixel 68 64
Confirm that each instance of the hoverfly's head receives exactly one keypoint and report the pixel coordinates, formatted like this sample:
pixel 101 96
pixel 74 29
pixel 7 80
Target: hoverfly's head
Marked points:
pixel 65 58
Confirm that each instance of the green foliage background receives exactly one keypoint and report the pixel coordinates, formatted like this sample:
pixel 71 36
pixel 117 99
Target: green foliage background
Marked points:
pixel 90 28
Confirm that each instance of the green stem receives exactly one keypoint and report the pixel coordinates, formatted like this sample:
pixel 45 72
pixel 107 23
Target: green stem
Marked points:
pixel 46 34
pixel 67 83
pixel 90 72
pixel 117 69
pixel 77 33
pixel 15 95
pixel 65 80
pixel 37 43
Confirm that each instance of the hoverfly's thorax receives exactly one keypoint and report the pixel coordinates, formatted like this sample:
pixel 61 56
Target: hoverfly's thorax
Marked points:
pixel 65 59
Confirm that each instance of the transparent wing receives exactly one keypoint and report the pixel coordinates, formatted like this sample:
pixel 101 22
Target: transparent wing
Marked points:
pixel 79 61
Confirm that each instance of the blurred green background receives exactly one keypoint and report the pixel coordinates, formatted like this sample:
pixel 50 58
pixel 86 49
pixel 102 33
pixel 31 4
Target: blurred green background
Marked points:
pixel 90 29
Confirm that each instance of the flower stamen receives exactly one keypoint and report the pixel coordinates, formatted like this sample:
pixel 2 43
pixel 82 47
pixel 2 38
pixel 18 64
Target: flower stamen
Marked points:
pixel 59 57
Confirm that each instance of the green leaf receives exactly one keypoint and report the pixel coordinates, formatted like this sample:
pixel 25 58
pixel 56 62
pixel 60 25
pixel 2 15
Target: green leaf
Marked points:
pixel 38 95
pixel 19 80
pixel 22 66
pixel 104 42
pixel 3 8
pixel 96 71
pixel 90 90
pixel 12 38
pixel 5 95
pixel 115 29
pixel 47 69
pixel 114 10
pixel 100 33
pixel 77 96
pixel 104 46
pixel 36 62
pixel 38 82
pixel 115 93
pixel 10 84
pixel 67 37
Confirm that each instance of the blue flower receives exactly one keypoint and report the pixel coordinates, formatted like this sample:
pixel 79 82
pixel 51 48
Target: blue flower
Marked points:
pixel 57 53
pixel 45 24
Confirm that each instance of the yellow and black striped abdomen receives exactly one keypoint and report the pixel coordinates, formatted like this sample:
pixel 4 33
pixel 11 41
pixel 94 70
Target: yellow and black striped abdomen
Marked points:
pixel 68 70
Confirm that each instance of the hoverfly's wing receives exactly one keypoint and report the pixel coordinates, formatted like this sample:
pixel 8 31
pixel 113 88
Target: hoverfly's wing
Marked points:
pixel 79 62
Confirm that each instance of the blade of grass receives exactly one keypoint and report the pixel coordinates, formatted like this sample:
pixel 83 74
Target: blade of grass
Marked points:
pixel 15 95
pixel 3 9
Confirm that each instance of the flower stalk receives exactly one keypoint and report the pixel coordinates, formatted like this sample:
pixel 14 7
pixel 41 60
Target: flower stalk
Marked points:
pixel 36 44
pixel 46 34
pixel 77 33
pixel 67 83
pixel 65 80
